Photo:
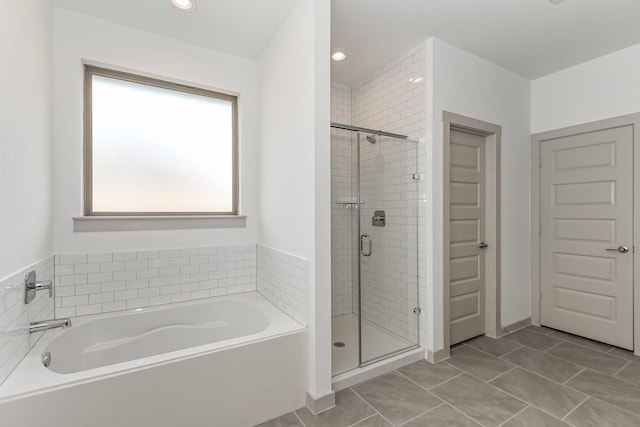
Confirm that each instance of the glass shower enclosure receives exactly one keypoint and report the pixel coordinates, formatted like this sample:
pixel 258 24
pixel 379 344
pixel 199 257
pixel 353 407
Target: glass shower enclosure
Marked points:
pixel 374 246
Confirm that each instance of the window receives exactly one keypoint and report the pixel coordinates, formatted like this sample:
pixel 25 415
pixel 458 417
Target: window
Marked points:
pixel 158 148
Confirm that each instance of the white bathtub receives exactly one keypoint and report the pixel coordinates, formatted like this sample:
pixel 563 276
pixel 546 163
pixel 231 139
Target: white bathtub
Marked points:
pixel 227 361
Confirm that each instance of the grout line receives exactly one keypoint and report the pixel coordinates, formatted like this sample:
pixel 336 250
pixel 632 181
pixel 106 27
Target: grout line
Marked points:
pixel 458 410
pixel 494 387
pixel 489 354
pixel 577 406
pixel 584 345
pixel 299 419
pixel 424 413
pixel 616 407
pixel 364 419
pixel 432 387
pixel 554 346
pixel 620 370
pixel 512 351
pixel 504 373
pixel 550 379
pixel 515 415
pixel 370 405
pixel 573 376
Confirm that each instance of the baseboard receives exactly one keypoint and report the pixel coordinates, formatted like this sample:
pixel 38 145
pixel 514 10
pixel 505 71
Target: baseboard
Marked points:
pixel 321 404
pixel 438 356
pixel 517 325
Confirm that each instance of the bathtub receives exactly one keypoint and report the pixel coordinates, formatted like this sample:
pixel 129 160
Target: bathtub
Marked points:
pixel 226 361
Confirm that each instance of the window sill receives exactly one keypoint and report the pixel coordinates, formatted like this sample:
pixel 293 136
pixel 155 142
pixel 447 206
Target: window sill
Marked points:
pixel 142 223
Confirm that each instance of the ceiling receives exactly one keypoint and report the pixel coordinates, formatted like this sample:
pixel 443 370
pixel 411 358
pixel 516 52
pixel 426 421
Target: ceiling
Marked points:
pixel 239 27
pixel 532 38
pixel 529 37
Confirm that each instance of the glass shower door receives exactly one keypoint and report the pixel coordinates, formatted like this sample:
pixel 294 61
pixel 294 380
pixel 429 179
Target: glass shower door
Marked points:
pixel 387 246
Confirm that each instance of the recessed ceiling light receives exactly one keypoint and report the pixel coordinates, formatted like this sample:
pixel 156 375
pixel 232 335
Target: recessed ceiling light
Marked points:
pixel 184 4
pixel 555 1
pixel 338 56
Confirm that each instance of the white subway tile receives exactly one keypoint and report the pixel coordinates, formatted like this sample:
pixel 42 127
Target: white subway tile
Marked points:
pixel 76 279
pixel 114 306
pixel 101 298
pixel 137 303
pixel 72 259
pixel 65 270
pixel 83 310
pixel 169 253
pixel 124 256
pixel 136 264
pixel 159 300
pixel 112 266
pixel 100 257
pixel 124 275
pixel 88 289
pixel 99 277
pixel 75 300
pixel 137 283
pixel 65 312
pixel 148 292
pixel 147 255
pixel 86 268
pixel 126 295
pixel 113 286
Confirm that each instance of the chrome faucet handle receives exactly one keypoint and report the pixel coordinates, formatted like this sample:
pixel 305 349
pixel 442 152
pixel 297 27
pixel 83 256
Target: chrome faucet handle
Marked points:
pixel 31 287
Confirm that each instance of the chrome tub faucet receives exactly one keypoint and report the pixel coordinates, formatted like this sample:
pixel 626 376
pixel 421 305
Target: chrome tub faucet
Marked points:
pixel 45 325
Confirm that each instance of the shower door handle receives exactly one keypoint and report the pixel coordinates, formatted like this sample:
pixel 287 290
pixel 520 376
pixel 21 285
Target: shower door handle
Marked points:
pixel 364 237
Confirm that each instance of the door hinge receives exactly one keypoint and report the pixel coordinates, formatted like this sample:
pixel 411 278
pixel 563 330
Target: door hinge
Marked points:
pixel 417 310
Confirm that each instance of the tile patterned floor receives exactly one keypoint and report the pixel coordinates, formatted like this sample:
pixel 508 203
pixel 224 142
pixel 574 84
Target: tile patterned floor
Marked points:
pixel 529 378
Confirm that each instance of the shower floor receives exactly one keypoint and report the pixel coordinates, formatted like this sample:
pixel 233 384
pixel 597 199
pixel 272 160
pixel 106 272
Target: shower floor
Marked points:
pixel 376 342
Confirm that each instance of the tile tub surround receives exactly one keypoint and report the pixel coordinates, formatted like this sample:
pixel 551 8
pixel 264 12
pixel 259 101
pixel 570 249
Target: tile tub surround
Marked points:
pixel 283 279
pixel 539 388
pixel 115 281
pixel 15 315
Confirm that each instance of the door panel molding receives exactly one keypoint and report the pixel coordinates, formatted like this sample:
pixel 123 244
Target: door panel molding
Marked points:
pixel 602 231
pixel 492 136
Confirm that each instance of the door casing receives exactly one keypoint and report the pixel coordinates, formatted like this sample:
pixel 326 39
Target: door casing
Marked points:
pixel 492 134
pixel 628 120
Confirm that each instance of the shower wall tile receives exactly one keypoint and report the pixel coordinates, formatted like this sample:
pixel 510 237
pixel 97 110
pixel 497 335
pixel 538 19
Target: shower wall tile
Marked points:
pixel 15 315
pixel 394 99
pixel 342 230
pixel 283 279
pixel 105 282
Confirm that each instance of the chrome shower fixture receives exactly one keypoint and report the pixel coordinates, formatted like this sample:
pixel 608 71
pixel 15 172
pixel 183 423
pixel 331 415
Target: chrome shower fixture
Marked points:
pixel 371 138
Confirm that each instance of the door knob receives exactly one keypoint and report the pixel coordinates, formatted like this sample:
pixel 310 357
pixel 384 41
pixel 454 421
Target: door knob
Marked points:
pixel 621 249
pixel 483 245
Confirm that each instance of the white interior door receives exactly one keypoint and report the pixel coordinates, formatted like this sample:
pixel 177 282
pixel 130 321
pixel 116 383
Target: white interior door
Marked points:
pixel 466 236
pixel 586 214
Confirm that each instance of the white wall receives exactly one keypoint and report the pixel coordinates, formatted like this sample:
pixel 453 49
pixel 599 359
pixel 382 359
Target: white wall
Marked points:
pixel 605 87
pixel 79 37
pixel 464 84
pixel 294 178
pixel 25 134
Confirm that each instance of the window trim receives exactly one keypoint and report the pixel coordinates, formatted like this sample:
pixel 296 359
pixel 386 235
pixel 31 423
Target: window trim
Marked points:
pixel 89 72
